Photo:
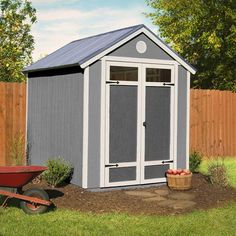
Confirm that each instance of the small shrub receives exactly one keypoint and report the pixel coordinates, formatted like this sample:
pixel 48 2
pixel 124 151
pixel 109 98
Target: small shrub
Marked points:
pixel 58 171
pixel 217 172
pixel 195 160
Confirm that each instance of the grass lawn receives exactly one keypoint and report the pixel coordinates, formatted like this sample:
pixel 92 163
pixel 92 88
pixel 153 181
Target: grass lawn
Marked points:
pixel 221 221
pixel 230 164
pixel 214 222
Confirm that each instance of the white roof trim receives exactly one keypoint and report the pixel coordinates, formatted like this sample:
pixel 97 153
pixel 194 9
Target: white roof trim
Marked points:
pixel 153 38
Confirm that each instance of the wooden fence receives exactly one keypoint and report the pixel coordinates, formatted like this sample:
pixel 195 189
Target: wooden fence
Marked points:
pixel 213 122
pixel 12 120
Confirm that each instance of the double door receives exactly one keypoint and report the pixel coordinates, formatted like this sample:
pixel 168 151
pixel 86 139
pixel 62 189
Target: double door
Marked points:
pixel 139 145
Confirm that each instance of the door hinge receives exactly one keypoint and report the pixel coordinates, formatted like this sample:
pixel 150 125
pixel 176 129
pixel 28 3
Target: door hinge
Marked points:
pixel 168 84
pixel 164 162
pixel 112 165
pixel 112 82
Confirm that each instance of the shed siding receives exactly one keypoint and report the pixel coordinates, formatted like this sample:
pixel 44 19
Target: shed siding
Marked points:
pixel 55 120
pixel 94 125
pixel 129 50
pixel 182 119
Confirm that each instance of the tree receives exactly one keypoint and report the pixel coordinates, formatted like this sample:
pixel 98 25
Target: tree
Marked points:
pixel 16 42
pixel 204 33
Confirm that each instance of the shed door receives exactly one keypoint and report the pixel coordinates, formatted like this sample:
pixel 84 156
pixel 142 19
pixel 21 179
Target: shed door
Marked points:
pixel 158 116
pixel 139 102
pixel 122 165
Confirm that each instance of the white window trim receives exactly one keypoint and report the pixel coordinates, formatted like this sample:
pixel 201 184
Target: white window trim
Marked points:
pixel 85 128
pixel 143 30
pixel 140 60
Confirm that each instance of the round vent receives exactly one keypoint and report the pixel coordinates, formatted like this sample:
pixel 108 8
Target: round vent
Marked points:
pixel 141 47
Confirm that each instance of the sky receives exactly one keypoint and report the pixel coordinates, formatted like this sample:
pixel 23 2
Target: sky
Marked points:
pixel 62 21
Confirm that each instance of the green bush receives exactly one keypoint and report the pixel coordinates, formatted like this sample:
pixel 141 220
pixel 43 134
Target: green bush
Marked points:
pixel 58 171
pixel 218 173
pixel 195 160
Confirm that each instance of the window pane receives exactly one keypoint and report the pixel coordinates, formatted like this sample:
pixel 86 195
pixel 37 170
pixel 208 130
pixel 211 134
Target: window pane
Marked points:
pixel 123 73
pixel 158 75
pixel 122 174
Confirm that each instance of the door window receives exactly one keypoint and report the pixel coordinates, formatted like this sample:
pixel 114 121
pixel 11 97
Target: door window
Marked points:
pixel 123 73
pixel 158 75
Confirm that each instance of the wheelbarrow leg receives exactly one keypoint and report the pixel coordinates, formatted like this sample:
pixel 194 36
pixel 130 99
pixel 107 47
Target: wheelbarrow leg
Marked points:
pixel 4 204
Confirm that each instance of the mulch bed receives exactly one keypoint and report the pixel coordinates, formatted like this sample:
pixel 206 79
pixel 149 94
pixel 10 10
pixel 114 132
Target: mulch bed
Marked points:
pixel 73 197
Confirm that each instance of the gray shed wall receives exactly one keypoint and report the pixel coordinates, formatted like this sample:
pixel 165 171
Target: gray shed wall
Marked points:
pixel 55 120
pixel 129 50
pixel 94 125
pixel 182 119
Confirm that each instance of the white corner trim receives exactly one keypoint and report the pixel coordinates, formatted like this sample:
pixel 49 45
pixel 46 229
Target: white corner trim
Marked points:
pixel 188 120
pixel 153 38
pixel 26 119
pixel 102 124
pixel 85 129
pixel 175 151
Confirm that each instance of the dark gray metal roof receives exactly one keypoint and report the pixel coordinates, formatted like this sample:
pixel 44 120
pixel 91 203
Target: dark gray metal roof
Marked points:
pixel 82 50
pixel 79 51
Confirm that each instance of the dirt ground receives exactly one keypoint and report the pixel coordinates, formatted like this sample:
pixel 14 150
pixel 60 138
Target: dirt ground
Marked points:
pixel 72 197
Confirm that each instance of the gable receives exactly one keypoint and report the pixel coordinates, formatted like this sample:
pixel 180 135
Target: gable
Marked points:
pixel 153 51
pixel 86 51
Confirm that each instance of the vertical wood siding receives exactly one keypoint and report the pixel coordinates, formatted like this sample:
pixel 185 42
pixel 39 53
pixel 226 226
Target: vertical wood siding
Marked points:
pixel 213 122
pixel 12 117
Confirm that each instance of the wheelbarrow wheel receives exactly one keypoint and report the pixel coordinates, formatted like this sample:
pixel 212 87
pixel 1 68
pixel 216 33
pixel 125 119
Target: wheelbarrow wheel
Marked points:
pixel 34 208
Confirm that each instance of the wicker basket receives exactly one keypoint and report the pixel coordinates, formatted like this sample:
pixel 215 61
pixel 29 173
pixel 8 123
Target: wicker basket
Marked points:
pixel 179 182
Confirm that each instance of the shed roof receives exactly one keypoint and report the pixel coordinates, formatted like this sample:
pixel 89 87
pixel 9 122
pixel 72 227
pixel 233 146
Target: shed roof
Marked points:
pixel 85 51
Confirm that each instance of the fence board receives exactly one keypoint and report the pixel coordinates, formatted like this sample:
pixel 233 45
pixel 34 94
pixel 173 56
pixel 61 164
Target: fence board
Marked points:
pixel 213 122
pixel 12 118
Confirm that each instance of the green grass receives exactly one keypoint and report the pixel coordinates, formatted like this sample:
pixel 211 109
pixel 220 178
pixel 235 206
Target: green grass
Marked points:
pixel 214 222
pixel 230 163
pixel 221 221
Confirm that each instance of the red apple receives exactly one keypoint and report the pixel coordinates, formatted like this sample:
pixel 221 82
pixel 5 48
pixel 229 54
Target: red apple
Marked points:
pixel 179 171
pixel 174 172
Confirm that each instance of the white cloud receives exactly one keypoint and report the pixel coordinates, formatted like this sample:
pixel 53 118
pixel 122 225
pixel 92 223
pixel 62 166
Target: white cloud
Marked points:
pixel 58 27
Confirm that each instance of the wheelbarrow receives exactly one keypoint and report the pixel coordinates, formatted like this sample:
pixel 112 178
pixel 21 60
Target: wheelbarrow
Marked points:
pixel 12 180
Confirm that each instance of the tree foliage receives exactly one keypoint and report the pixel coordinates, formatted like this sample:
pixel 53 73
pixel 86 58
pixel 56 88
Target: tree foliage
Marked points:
pixel 16 42
pixel 203 32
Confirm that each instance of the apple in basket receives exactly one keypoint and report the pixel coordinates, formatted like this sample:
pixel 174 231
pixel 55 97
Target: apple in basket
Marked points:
pixel 178 172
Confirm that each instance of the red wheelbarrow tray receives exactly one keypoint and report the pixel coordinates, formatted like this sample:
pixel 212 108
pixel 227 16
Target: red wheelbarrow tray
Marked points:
pixel 18 176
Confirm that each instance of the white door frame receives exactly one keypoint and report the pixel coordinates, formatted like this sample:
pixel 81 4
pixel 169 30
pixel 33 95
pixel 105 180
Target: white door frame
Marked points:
pixel 107 128
pixel 104 147
pixel 172 118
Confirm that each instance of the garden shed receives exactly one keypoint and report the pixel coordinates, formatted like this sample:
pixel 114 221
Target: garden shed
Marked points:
pixel 115 105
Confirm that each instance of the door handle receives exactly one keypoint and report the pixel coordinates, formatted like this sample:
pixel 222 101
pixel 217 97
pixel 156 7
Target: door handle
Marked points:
pixel 168 84
pixel 111 165
pixel 112 82
pixel 164 162
pixel 145 124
